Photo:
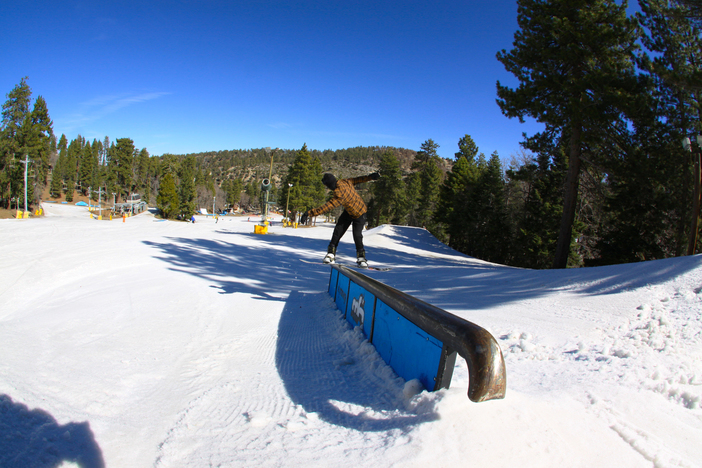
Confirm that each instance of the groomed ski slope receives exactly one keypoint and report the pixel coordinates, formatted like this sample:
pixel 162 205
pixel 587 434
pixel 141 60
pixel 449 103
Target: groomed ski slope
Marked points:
pixel 152 343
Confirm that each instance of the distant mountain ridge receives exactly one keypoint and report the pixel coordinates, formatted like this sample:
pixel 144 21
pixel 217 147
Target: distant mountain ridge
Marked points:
pixel 255 164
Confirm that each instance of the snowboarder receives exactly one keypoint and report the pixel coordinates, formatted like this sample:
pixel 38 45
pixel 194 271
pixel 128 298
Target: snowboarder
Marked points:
pixel 354 213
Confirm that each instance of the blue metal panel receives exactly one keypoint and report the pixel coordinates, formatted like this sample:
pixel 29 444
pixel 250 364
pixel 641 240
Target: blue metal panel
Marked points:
pixel 342 293
pixel 360 308
pixel 409 350
pixel 333 278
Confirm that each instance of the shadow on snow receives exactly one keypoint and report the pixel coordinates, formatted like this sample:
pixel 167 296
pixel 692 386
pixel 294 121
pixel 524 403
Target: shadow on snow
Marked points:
pixel 456 281
pixel 321 362
pixel 268 274
pixel 34 438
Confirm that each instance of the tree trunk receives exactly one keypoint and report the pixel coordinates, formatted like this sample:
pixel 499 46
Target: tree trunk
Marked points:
pixel 692 242
pixel 570 199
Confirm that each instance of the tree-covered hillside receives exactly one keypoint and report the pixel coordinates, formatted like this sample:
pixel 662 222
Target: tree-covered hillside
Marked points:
pixel 608 180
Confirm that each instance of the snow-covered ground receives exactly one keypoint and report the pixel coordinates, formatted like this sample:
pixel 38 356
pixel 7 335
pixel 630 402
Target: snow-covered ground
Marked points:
pixel 155 343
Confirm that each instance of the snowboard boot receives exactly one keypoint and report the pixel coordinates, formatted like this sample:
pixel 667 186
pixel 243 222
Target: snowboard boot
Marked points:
pixel 331 254
pixel 361 259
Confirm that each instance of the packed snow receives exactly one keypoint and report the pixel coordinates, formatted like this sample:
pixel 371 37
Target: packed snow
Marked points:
pixel 150 343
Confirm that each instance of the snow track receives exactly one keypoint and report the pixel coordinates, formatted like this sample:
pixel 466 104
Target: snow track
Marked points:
pixel 317 371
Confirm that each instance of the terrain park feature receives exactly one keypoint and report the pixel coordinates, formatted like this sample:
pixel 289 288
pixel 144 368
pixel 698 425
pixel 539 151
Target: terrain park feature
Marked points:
pixel 418 340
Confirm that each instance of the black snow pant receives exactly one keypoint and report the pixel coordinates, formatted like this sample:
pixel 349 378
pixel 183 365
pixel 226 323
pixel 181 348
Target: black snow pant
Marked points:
pixel 342 224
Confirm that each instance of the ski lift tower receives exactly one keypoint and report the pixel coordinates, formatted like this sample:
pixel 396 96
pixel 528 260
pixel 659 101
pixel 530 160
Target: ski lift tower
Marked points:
pixel 26 166
pixel 266 189
pixel 100 192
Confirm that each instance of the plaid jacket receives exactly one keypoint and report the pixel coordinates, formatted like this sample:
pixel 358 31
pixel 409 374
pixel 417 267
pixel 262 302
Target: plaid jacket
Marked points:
pixel 347 196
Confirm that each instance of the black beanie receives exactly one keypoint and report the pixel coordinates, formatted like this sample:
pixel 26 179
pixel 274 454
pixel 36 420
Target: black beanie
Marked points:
pixel 329 180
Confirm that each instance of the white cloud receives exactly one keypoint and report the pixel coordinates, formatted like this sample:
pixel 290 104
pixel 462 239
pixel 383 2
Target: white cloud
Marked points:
pixel 100 107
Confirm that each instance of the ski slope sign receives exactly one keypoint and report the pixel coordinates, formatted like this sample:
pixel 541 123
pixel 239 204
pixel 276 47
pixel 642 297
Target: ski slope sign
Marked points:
pixel 418 340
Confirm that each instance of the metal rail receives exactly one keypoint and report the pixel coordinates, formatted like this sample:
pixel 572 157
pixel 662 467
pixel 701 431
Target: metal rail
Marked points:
pixel 486 365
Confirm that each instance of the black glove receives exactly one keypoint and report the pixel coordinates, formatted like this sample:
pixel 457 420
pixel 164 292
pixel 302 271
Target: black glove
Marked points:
pixel 375 176
pixel 305 215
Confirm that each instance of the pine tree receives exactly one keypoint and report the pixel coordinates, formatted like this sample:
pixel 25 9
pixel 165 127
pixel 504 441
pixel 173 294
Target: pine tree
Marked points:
pixel 167 199
pixel 641 213
pixel 57 173
pixel 574 61
pixel 253 192
pixel 70 169
pixel 110 171
pixel 454 209
pixel 105 152
pixel 430 178
pixel 234 195
pixel 100 149
pixel 412 191
pixel 143 174
pixel 186 188
pixel 23 134
pixel 694 7
pixel 388 193
pixel 538 207
pixel 14 114
pixel 305 175
pixel 318 190
pixel 122 164
pixel 87 166
pixel 466 148
pixel 674 39
pixel 489 232
pixel 42 136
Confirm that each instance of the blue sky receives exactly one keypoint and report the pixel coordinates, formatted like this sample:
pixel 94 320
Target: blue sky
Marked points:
pixel 198 75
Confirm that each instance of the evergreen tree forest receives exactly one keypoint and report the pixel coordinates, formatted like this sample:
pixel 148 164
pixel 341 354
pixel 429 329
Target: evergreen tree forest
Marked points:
pixel 26 142
pixel 607 181
pixel 617 95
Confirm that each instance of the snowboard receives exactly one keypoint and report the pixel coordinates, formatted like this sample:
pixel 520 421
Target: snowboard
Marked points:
pixel 349 264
